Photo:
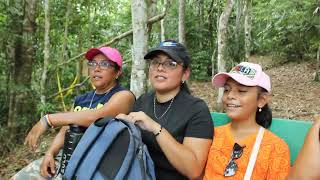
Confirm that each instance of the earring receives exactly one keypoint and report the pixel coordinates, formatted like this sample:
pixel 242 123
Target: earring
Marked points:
pixel 182 82
pixel 260 109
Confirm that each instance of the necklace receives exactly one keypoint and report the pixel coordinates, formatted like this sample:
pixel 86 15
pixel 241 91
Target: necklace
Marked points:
pixel 154 108
pixel 94 94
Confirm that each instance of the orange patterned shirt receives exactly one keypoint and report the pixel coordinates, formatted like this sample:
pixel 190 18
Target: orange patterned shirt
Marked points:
pixel 273 160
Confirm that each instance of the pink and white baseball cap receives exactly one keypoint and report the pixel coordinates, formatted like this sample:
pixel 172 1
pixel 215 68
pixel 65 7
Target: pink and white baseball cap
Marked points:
pixel 245 73
pixel 111 53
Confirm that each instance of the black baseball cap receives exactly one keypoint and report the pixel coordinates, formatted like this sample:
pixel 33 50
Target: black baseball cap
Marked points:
pixel 173 49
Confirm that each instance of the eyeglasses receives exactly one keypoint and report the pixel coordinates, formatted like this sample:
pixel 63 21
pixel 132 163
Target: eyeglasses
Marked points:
pixel 102 64
pixel 168 65
pixel 232 167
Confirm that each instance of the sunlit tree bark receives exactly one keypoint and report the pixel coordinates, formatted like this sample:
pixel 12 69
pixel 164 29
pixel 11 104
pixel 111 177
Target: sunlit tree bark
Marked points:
pixel 163 30
pixel 238 30
pixel 247 28
pixel 222 38
pixel 139 49
pixel 182 33
pixel 46 51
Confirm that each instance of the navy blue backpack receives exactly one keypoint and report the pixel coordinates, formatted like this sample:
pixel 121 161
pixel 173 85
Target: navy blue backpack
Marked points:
pixel 110 149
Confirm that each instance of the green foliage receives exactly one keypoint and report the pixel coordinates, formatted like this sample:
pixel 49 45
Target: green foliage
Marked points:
pixel 291 31
pixel 284 29
pixel 201 66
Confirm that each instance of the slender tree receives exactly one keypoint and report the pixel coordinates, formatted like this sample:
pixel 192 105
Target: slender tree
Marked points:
pixel 46 51
pixel 152 11
pixel 163 30
pixel 66 28
pixel 182 33
pixel 247 28
pixel 238 30
pixel 222 40
pixel 139 49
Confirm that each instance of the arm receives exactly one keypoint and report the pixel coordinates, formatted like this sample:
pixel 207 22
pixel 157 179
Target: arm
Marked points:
pixel 188 158
pixel 308 160
pixel 120 102
pixel 47 167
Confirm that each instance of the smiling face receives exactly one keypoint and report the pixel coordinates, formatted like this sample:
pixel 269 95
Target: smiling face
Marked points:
pixel 103 79
pixel 163 76
pixel 241 102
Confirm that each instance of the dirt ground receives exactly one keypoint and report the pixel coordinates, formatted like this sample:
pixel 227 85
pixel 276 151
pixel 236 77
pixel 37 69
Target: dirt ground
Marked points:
pixel 294 93
pixel 295 96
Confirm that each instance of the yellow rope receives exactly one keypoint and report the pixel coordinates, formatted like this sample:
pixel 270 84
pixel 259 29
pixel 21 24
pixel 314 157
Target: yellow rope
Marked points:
pixel 61 94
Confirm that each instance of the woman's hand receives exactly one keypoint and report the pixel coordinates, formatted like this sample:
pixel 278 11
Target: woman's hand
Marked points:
pixel 33 136
pixel 142 120
pixel 48 167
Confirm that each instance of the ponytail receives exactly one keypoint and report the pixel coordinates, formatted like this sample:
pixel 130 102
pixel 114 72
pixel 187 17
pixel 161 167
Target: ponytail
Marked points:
pixel 264 116
pixel 184 87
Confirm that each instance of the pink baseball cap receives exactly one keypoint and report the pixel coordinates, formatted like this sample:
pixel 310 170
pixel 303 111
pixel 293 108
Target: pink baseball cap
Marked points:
pixel 245 73
pixel 111 53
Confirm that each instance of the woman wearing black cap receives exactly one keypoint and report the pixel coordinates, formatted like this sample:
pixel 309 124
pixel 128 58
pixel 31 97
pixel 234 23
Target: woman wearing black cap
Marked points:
pixel 177 127
pixel 108 99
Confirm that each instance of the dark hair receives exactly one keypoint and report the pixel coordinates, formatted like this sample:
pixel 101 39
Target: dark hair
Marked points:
pixel 264 118
pixel 116 67
pixel 184 85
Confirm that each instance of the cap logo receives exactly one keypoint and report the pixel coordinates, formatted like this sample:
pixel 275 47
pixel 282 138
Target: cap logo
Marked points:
pixel 169 44
pixel 244 70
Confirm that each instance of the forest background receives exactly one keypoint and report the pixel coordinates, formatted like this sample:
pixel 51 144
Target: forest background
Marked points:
pixel 42 45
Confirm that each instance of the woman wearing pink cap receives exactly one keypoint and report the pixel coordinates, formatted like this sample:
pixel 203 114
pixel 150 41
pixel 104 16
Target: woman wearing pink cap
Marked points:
pixel 108 99
pixel 244 148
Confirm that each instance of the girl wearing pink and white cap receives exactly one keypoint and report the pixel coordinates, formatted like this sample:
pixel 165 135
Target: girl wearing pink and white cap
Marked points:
pixel 244 148
pixel 108 99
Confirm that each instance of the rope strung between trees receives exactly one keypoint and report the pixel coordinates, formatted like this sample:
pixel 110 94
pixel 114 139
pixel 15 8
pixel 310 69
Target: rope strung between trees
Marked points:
pixel 73 85
pixel 117 38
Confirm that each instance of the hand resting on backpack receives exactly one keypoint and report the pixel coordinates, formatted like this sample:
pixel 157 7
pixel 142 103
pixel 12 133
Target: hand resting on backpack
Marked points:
pixel 142 120
pixel 187 157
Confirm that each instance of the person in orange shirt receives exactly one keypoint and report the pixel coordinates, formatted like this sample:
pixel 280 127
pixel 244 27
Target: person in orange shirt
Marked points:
pixel 244 148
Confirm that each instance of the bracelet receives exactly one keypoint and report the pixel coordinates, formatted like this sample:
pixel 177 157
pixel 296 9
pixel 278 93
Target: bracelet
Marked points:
pixel 158 132
pixel 49 122
pixel 47 119
pixel 44 122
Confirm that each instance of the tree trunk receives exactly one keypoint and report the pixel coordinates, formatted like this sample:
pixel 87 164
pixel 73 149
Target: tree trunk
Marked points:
pixel 46 52
pixel 200 23
pixel 163 30
pixel 21 106
pixel 238 57
pixel 152 11
pixel 222 37
pixel 182 33
pixel 140 38
pixel 247 28
pixel 65 34
pixel 79 67
pixel 214 57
